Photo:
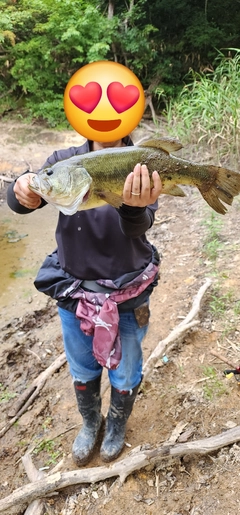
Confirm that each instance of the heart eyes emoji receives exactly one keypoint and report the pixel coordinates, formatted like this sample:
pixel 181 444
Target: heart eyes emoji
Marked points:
pixel 87 98
pixel 122 98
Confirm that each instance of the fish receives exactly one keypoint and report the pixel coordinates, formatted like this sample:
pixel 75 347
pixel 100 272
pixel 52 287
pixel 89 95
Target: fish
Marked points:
pixel 90 180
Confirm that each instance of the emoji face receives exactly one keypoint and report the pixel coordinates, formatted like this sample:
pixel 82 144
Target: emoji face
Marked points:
pixel 104 101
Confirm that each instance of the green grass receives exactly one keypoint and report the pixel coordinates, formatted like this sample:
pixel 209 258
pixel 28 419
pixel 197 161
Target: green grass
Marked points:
pixel 21 273
pixel 50 447
pixel 212 243
pixel 214 386
pixel 219 304
pixel 224 308
pixel 208 108
pixel 5 395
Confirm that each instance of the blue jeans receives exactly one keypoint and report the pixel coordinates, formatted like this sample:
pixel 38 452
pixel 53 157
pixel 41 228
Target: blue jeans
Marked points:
pixel 84 367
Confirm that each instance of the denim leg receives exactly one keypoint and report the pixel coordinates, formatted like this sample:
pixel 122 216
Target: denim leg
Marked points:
pixel 78 347
pixel 129 373
pixel 84 367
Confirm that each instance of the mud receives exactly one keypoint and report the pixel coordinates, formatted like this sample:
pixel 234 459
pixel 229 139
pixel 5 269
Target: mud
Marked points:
pixel 188 388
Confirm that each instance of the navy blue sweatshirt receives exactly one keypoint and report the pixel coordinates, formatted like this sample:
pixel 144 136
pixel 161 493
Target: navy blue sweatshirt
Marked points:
pixel 99 243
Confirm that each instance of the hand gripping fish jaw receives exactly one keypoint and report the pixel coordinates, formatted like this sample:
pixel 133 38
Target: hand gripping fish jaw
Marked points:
pixel 56 188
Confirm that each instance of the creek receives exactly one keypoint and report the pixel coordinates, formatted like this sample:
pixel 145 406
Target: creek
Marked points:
pixel 25 240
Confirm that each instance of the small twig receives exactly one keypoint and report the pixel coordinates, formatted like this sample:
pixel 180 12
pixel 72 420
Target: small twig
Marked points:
pixel 66 431
pixel 34 354
pixel 4 178
pixel 159 221
pixel 196 382
pixel 222 358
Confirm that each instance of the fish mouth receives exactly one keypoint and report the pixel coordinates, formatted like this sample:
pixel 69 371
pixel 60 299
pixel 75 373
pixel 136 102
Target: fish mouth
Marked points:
pixel 40 186
pixel 86 196
pixel 104 125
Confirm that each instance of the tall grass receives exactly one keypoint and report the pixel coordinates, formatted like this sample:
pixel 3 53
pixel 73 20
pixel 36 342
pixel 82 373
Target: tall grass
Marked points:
pixel 208 108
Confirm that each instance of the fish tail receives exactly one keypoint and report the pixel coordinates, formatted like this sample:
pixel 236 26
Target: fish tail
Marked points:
pixel 222 190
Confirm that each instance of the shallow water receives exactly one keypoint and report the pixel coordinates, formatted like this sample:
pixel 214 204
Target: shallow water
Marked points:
pixel 24 242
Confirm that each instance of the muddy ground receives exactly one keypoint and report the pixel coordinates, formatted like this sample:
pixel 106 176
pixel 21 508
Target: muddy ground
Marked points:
pixel 187 390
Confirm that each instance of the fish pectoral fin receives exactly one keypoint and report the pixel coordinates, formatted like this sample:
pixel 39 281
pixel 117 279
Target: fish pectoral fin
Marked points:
pixel 223 190
pixel 111 198
pixel 173 189
pixel 166 144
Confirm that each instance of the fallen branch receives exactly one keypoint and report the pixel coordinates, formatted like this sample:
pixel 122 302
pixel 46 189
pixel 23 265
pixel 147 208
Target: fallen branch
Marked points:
pixel 135 460
pixel 4 178
pixel 28 396
pixel 36 507
pixel 222 358
pixel 173 337
pixel 178 331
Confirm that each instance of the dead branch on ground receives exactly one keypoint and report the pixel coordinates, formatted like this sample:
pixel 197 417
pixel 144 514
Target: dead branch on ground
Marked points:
pixel 36 507
pixel 4 178
pixel 171 340
pixel 28 396
pixel 222 358
pixel 178 331
pixel 135 460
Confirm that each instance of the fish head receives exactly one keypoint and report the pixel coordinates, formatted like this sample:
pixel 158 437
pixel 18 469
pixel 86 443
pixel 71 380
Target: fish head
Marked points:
pixel 66 185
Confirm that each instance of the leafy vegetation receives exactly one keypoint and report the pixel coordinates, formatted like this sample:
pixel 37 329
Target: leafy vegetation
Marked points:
pixel 208 108
pixel 43 42
pixel 51 448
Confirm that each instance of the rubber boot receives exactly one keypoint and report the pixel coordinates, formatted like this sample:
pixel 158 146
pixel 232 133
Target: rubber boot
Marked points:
pixel 120 409
pixel 89 405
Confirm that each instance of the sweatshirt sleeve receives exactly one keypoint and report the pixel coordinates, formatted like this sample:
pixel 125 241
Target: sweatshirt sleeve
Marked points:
pixel 15 205
pixel 135 221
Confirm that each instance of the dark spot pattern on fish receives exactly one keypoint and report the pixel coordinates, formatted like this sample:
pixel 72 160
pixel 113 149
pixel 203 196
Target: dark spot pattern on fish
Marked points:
pixel 106 170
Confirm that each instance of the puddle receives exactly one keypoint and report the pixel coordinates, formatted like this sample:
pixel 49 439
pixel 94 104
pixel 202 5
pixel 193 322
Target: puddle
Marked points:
pixel 25 240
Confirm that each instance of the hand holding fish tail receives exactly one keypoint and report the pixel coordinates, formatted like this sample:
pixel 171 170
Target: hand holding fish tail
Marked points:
pixel 24 195
pixel 138 190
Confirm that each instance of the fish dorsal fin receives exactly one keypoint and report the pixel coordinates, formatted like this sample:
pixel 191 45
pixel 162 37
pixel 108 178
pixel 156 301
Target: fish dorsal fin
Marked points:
pixel 166 144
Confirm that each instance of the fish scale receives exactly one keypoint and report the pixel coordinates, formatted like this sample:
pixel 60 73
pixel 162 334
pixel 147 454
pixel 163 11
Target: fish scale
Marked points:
pixel 89 180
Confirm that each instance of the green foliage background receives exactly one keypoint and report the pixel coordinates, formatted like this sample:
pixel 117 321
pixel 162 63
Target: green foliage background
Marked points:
pixel 43 42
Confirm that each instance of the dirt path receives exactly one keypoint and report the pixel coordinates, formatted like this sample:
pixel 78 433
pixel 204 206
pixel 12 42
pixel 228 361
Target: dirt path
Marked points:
pixel 190 388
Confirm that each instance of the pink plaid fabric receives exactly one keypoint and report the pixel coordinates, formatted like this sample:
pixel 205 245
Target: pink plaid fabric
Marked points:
pixel 98 314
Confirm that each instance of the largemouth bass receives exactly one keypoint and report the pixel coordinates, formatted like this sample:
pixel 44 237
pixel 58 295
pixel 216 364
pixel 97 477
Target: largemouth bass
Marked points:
pixel 90 180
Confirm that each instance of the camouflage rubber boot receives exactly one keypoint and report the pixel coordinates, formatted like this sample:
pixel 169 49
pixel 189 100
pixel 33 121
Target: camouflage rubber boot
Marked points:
pixel 120 409
pixel 89 405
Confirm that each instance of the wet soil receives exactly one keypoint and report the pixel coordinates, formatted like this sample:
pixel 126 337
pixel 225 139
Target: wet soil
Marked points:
pixel 188 388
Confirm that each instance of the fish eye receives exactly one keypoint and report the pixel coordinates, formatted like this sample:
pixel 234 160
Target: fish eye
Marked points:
pixel 50 172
